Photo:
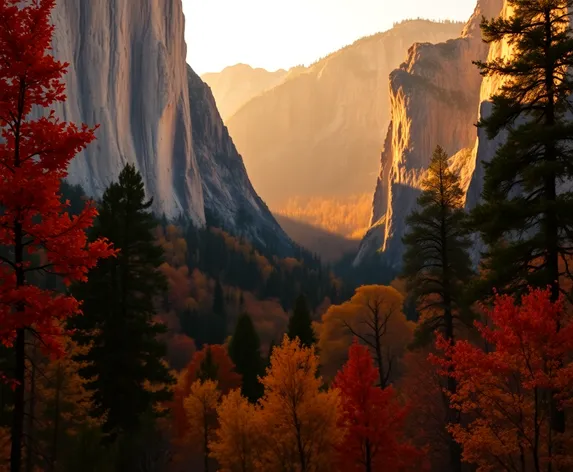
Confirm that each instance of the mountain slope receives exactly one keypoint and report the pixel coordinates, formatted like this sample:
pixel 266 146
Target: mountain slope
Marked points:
pixel 318 133
pixel 236 85
pixel 128 73
pixel 434 99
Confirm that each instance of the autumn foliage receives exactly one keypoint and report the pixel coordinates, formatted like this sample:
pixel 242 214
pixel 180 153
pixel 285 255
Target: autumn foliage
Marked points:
pixel 506 389
pixel 373 420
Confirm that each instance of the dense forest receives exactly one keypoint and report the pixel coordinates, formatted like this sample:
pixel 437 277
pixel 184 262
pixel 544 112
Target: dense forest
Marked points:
pixel 134 343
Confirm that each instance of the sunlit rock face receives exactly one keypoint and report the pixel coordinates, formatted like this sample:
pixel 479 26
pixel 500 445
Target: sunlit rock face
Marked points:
pixel 434 100
pixel 128 73
pixel 319 132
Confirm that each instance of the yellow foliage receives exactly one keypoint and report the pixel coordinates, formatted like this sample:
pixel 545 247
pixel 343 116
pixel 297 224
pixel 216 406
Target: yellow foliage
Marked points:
pixel 299 420
pixel 201 410
pixel 373 315
pixel 348 216
pixel 237 443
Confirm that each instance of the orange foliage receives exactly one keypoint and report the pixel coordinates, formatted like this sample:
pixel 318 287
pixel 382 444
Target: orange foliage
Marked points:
pixel 348 216
pixel 506 389
pixel 299 420
pixel 227 380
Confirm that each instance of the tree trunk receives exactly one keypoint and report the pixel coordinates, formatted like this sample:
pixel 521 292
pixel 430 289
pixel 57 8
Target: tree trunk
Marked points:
pixel 368 457
pixel 31 411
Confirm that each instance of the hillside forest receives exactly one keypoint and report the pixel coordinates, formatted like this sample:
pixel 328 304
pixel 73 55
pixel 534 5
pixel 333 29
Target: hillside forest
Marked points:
pixel 131 342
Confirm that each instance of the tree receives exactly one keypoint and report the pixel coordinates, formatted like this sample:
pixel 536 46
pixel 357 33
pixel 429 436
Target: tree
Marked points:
pixel 525 215
pixel 374 316
pixel 218 325
pixel 508 388
pixel 208 369
pixel 437 266
pixel 226 377
pixel 237 442
pixel 201 409
pixel 372 419
pixel 245 351
pixel 300 323
pixel 38 235
pixel 119 308
pixel 298 419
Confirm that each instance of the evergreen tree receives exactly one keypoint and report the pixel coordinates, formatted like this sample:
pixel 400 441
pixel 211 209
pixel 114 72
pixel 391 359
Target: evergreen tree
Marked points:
pixel 300 323
pixel 526 217
pixel 245 351
pixel 218 323
pixel 117 326
pixel 208 369
pixel 436 261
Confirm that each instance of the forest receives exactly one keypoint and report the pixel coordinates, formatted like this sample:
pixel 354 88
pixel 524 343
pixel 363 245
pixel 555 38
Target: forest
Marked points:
pixel 133 343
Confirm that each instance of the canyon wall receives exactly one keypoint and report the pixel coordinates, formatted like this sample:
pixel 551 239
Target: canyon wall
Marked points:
pixel 435 96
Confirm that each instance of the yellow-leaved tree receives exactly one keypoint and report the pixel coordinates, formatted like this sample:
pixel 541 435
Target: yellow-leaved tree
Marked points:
pixel 237 443
pixel 374 316
pixel 298 420
pixel 201 410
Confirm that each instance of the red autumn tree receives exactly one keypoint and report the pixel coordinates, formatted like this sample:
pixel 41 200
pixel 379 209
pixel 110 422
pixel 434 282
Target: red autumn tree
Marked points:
pixel 373 420
pixel 36 232
pixel 506 390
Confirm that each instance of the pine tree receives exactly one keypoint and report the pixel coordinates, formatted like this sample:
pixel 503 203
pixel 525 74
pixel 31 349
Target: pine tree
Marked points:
pixel 300 323
pixel 208 368
pixel 117 324
pixel 526 215
pixel 218 324
pixel 436 260
pixel 245 351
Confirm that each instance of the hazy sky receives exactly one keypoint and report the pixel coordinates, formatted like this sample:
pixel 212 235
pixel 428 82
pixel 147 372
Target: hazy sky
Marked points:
pixel 278 34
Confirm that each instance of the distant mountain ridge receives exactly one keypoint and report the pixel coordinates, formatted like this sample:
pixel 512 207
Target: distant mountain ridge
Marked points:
pixel 319 132
pixel 236 85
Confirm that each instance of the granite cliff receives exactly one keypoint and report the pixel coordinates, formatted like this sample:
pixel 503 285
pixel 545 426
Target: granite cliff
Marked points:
pixel 435 96
pixel 128 73
pixel 319 131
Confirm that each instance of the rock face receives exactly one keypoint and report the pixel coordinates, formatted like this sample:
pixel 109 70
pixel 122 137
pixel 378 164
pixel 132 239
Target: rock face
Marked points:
pixel 128 73
pixel 434 98
pixel 236 85
pixel 318 132
pixel 230 200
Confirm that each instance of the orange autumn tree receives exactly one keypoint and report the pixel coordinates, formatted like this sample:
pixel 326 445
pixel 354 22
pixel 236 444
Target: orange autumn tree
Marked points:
pixel 237 442
pixel 506 390
pixel 373 420
pixel 226 377
pixel 36 232
pixel 298 419
pixel 201 411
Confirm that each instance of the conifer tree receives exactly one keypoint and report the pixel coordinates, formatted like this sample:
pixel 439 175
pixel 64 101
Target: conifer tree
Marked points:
pixel 525 218
pixel 245 351
pixel 436 261
pixel 218 323
pixel 208 368
pixel 124 353
pixel 300 323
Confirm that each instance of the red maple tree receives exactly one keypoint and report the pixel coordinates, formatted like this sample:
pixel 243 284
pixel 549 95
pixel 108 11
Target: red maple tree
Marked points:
pixel 373 420
pixel 505 387
pixel 37 235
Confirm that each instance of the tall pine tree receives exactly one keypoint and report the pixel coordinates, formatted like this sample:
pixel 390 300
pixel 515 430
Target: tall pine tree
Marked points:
pixel 300 323
pixel 124 353
pixel 436 261
pixel 245 351
pixel 217 325
pixel 526 217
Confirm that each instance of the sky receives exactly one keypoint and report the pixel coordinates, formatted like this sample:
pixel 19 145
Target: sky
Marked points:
pixel 276 34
